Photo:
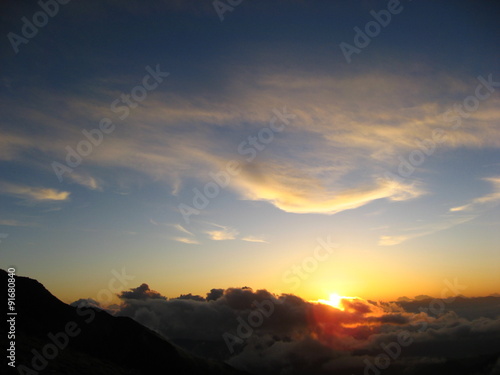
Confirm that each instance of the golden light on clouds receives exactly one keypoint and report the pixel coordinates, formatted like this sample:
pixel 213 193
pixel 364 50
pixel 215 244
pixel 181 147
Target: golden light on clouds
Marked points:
pixel 336 301
pixel 30 193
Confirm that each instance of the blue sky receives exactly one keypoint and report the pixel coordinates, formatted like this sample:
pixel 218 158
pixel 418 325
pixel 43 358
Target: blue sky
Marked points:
pixel 323 175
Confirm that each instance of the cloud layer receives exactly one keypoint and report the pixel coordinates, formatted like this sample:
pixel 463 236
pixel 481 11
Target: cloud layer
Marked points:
pixel 267 334
pixel 346 134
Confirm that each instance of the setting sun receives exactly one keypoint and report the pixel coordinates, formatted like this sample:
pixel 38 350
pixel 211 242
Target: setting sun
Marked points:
pixel 335 300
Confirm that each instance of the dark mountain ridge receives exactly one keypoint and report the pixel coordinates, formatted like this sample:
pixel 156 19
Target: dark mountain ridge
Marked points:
pixel 52 337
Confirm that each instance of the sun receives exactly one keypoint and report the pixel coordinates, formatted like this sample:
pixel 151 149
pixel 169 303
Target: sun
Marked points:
pixel 335 300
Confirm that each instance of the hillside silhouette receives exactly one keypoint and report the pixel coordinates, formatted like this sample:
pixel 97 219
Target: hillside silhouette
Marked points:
pixel 104 344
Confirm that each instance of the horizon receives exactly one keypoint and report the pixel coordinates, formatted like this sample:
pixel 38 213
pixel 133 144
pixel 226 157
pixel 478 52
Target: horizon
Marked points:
pixel 451 291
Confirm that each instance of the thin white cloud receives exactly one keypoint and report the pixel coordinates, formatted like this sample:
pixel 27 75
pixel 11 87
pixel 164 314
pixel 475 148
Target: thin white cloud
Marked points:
pixel 182 229
pixel 16 223
pixel 222 234
pixel 189 241
pixel 86 180
pixel 380 227
pixel 491 198
pixel 387 240
pixel 178 227
pixel 424 230
pixel 176 185
pixel 36 194
pixel 253 239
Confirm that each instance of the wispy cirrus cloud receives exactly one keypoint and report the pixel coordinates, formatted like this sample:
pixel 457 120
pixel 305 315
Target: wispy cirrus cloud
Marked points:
pixel 214 232
pixel 456 216
pixel 424 230
pixel 182 229
pixel 16 223
pixel 253 239
pixel 33 194
pixel 177 227
pixel 189 241
pixel 491 198
pixel 344 128
pixel 85 179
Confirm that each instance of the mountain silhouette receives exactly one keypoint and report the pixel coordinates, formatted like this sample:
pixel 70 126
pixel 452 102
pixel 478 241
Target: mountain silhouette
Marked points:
pixel 55 338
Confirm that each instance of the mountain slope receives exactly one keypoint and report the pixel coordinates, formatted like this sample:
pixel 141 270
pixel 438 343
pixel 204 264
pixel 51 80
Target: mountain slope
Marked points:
pixel 57 338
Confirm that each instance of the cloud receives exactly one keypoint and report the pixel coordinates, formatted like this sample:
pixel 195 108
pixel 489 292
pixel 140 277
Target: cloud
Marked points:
pixel 191 297
pixel 392 240
pixel 182 229
pixel 296 191
pixel 297 336
pixel 254 239
pixel 142 292
pixel 424 230
pixel 86 302
pixel 222 234
pixel 16 223
pixel 215 294
pixel 189 241
pixel 86 180
pixel 177 227
pixel 491 198
pixel 330 158
pixel 33 194
pixel 89 302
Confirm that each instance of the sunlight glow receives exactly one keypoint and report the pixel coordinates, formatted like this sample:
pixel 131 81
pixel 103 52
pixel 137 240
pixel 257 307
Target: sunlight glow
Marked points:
pixel 335 301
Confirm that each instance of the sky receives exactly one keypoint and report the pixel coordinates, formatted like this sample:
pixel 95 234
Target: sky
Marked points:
pixel 298 146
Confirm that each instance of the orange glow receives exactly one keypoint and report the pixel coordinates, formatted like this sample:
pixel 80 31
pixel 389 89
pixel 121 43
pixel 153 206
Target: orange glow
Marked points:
pixel 335 301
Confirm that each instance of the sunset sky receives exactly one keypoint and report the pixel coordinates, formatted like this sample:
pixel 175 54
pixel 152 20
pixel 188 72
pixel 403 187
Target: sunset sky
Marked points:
pixel 391 158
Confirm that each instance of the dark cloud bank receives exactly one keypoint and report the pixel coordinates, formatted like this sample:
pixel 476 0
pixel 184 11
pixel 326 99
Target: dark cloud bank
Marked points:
pixel 264 333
